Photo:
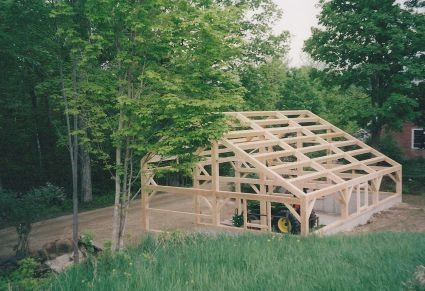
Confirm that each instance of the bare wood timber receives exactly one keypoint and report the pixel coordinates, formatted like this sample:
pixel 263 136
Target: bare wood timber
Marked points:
pixel 327 161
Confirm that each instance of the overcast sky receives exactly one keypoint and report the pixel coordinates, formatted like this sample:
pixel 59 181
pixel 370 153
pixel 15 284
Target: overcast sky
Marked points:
pixel 298 18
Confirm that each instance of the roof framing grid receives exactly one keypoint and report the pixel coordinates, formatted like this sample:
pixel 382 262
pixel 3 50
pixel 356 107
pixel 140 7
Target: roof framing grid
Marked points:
pixel 303 155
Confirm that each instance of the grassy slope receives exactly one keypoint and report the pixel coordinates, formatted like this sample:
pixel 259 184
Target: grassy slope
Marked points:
pixel 379 261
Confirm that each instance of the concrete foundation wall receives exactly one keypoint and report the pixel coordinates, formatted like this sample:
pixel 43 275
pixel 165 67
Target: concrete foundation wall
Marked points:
pixel 363 217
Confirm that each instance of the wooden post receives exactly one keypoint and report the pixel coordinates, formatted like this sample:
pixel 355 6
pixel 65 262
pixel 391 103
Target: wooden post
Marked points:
pixel 376 184
pixel 343 203
pixel 399 182
pixel 358 198
pixel 145 176
pixel 263 204
pixel 366 193
pixel 304 216
pixel 245 213
pixel 238 184
pixel 215 182
pixel 196 204
pixel 269 215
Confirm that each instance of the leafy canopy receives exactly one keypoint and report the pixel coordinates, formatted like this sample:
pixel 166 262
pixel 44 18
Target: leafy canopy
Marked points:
pixel 377 45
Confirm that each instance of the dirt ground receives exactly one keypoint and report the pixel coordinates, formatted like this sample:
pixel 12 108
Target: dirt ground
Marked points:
pixel 407 216
pixel 99 223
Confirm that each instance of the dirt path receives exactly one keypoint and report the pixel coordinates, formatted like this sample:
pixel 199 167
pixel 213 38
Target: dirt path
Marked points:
pixel 99 223
pixel 407 216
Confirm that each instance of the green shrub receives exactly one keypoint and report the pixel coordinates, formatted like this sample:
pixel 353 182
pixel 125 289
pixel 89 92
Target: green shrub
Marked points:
pixel 21 210
pixel 389 147
pixel 23 278
pixel 237 219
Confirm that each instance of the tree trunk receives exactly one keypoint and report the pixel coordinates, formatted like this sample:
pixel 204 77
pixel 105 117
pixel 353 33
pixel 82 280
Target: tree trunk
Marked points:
pixel 37 134
pixel 22 248
pixel 86 182
pixel 117 206
pixel 376 131
pixel 73 155
pixel 125 195
pixel 378 96
pixel 74 166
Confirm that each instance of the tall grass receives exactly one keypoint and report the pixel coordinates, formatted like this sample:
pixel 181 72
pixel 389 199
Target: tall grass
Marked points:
pixel 378 261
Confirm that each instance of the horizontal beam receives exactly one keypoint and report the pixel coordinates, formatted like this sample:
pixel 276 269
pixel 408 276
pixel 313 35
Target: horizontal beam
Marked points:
pixel 334 170
pixel 338 187
pixel 178 212
pixel 279 130
pixel 317 127
pixel 269 113
pixel 305 163
pixel 331 135
pixel 273 155
pixel 257 144
pixel 299 138
pixel 304 119
pixel 220 160
pixel 275 197
pixel 238 180
pixel 244 133
pixel 270 121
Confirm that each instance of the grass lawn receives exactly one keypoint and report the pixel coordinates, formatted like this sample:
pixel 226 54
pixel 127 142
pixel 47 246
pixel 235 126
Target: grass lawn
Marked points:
pixel 375 261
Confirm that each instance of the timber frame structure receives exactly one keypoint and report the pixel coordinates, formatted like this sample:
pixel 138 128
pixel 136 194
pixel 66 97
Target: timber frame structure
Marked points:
pixel 289 157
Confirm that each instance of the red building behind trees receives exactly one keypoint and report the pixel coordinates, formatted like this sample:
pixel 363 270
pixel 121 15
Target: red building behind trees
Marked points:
pixel 411 140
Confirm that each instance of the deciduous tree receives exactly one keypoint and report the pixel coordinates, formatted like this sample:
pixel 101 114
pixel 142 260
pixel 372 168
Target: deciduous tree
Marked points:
pixel 377 45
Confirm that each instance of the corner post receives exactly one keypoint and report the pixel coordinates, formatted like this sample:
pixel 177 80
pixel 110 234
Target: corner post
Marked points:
pixel 196 204
pixel 144 176
pixel 304 216
pixel 344 203
pixel 215 182
pixel 399 182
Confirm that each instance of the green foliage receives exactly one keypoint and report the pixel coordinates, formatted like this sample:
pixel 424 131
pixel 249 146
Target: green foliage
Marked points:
pixel 414 176
pixel 264 84
pixel 29 156
pixel 86 239
pixel 250 262
pixel 390 148
pixel 377 46
pixel 23 209
pixel 300 91
pixel 307 88
pixel 23 278
pixel 164 82
pixel 237 219
pixel 29 207
pixel 347 108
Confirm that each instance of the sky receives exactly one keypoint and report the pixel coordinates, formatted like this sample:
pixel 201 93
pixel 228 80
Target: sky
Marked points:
pixel 298 18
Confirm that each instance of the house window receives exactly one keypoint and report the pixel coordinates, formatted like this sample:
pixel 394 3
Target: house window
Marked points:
pixel 418 138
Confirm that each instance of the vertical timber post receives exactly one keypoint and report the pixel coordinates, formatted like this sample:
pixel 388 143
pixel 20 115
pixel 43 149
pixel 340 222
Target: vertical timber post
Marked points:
pixel 376 184
pixel 358 198
pixel 215 185
pixel 238 184
pixel 399 182
pixel 304 216
pixel 196 204
pixel 344 203
pixel 144 196
pixel 263 204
